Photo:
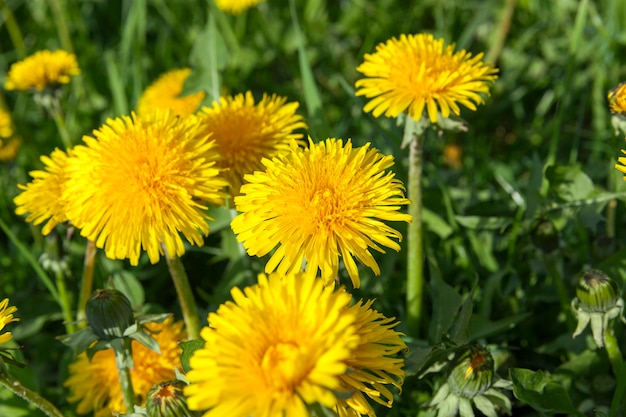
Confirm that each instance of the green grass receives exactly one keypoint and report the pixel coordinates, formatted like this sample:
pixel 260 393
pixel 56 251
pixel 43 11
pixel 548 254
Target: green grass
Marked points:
pixel 542 147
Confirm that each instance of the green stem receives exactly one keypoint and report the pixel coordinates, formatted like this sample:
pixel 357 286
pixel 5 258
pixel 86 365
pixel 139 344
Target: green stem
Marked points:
pixel 124 361
pixel 57 115
pixel 415 255
pixel 66 305
pixel 86 285
pixel 32 397
pixel 613 352
pixel 23 250
pixel 185 295
pixel 60 22
pixel 14 30
pixel 502 32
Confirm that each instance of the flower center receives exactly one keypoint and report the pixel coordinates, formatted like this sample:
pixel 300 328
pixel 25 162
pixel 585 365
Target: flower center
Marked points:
pixel 283 365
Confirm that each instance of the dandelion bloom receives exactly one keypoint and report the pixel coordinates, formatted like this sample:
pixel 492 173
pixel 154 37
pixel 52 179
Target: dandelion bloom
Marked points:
pixel 617 99
pixel 9 148
pixel 94 384
pixel 319 204
pixel 373 364
pixel 42 69
pixel 236 6
pixel 621 165
pixel 6 125
pixel 42 197
pixel 140 182
pixel 247 132
pixel 278 346
pixel 417 72
pixel 6 317
pixel 165 92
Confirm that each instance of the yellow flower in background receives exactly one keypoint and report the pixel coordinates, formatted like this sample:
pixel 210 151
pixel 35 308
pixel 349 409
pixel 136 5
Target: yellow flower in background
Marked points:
pixel 373 364
pixel 277 347
pixel 320 204
pixel 416 73
pixel 6 125
pixel 9 148
pixel 617 99
pixel 247 132
pixel 6 317
pixel 42 69
pixel 165 92
pixel 236 6
pixel 140 182
pixel 94 384
pixel 43 196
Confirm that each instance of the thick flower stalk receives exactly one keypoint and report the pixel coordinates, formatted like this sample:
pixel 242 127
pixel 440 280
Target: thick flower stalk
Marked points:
pixel 247 131
pixel 165 93
pixel 318 205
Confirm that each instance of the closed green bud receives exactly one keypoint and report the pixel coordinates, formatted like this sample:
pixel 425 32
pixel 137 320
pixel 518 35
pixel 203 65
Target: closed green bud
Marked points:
pixel 109 314
pixel 167 400
pixel 472 373
pixel 596 291
pixel 597 302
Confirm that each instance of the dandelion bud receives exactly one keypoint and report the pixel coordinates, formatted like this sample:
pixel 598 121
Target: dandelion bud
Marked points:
pixel 545 235
pixel 472 374
pixel 109 313
pixel 597 301
pixel 167 400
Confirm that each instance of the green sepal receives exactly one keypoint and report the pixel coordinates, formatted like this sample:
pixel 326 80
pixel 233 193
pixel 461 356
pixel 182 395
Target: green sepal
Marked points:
pixel 79 341
pixel 189 347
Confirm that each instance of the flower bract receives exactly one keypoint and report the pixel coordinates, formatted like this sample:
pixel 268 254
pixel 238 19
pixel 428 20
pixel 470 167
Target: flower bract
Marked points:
pixel 417 73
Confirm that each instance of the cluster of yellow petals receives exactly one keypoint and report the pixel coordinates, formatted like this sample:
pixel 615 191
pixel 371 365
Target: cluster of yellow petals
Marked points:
pixel 6 317
pixel 416 73
pixel 165 92
pixel 42 69
pixel 236 6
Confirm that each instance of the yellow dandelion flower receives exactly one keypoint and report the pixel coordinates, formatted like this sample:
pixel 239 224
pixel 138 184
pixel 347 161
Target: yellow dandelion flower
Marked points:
pixel 617 99
pixel 247 132
pixel 621 165
pixel 319 204
pixel 94 384
pixel 6 125
pixel 9 148
pixel 6 317
pixel 417 73
pixel 42 69
pixel 373 364
pixel 43 196
pixel 280 345
pixel 165 92
pixel 141 182
pixel 236 6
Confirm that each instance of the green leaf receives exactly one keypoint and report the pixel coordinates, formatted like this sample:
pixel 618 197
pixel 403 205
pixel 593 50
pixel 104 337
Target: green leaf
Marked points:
pixel 569 182
pixel 480 327
pixel 129 285
pixel 436 223
pixel 189 347
pixel 446 304
pixel 486 223
pixel 541 392
pixel 459 331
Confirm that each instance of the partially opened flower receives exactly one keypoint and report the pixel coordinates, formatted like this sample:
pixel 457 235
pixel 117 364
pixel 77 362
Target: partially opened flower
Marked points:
pixel 165 92
pixel 141 182
pixel 319 204
pixel 43 198
pixel 617 99
pixel 236 6
pixel 416 73
pixel 374 363
pixel 94 383
pixel 6 125
pixel 42 69
pixel 6 317
pixel 277 347
pixel 247 132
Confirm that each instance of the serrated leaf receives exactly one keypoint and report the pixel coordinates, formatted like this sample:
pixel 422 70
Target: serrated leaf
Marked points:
pixel 541 392
pixel 189 347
